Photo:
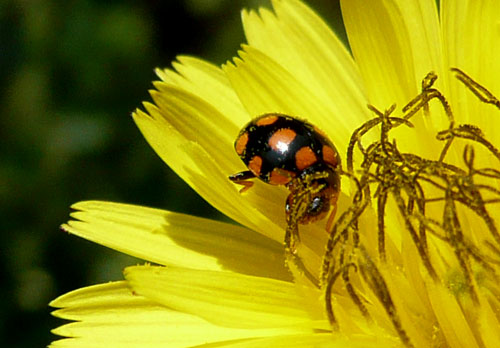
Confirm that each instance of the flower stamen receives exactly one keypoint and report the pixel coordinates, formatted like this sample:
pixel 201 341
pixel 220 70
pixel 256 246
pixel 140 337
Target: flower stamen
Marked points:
pixel 481 92
pixel 373 277
pixel 408 179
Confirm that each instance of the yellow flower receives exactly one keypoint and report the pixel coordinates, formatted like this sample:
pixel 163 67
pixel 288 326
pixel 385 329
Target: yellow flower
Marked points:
pixel 413 276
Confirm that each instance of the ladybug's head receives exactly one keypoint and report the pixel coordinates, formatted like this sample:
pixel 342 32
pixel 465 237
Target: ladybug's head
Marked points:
pixel 312 196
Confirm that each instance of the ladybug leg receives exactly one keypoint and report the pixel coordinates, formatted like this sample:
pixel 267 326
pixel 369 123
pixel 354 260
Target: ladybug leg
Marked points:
pixel 285 176
pixel 333 213
pixel 296 208
pixel 329 223
pixel 291 234
pixel 242 178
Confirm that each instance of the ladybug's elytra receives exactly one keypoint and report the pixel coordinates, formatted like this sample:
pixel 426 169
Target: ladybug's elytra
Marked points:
pixel 283 150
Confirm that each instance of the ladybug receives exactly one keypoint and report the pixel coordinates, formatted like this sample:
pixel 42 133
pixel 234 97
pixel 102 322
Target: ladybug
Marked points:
pixel 285 151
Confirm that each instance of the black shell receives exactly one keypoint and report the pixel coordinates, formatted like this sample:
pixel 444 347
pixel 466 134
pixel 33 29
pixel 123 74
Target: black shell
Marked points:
pixel 306 136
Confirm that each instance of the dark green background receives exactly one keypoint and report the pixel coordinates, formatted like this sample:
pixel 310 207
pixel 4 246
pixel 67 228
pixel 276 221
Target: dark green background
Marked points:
pixel 71 74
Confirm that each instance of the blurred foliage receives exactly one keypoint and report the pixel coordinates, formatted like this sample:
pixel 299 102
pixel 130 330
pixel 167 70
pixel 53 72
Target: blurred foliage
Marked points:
pixel 71 73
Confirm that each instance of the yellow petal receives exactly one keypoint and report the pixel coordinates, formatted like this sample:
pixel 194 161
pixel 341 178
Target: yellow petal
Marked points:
pixel 265 86
pixel 193 127
pixel 489 323
pixel 471 31
pixel 205 162
pixel 111 315
pixel 463 23
pixel 452 322
pixel 223 298
pixel 323 340
pixel 177 239
pixel 197 120
pixel 208 82
pixel 395 44
pixel 306 47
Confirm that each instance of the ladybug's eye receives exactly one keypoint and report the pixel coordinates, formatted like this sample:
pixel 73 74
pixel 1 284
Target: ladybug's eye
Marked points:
pixel 316 206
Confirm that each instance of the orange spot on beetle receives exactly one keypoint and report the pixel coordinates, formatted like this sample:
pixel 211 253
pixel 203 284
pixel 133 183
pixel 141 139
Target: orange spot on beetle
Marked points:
pixel 330 156
pixel 241 143
pixel 280 176
pixel 255 165
pixel 305 157
pixel 267 120
pixel 280 140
